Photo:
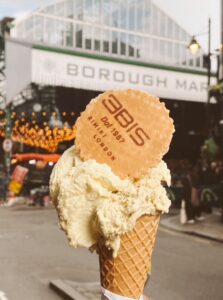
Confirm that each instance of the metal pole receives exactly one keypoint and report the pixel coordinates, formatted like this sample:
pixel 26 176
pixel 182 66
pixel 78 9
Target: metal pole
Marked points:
pixel 221 48
pixel 7 153
pixel 208 76
pixel 209 55
pixel 220 78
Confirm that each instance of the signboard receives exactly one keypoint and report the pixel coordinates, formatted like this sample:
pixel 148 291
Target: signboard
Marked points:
pixel 49 67
pixel 18 67
pixel 17 179
pixel 7 145
pixel 93 74
pixel 19 174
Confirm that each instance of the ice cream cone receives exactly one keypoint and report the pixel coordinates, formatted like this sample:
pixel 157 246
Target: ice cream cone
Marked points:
pixel 126 274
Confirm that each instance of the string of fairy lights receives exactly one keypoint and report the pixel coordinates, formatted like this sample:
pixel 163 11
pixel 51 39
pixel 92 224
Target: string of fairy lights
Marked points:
pixel 29 130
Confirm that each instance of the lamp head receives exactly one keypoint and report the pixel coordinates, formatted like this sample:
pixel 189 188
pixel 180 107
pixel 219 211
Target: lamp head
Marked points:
pixel 194 46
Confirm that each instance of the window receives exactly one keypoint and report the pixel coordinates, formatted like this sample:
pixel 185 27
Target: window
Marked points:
pixel 97 39
pixel 106 12
pixel 88 37
pixel 69 9
pixel 177 52
pixel 60 9
pixel 96 11
pixel 69 34
pixel 88 10
pixel 49 31
pixel 162 21
pixel 138 46
pixel 106 35
pixel 123 16
pixel 123 43
pixel 131 49
pixel 155 21
pixel 79 36
pixel 169 28
pixel 38 28
pixel 78 9
pixel 114 42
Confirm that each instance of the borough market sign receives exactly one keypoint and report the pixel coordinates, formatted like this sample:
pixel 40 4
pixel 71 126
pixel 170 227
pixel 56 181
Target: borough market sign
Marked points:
pixel 54 67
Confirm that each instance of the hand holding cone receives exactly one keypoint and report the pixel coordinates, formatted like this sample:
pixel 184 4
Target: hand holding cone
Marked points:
pixel 126 274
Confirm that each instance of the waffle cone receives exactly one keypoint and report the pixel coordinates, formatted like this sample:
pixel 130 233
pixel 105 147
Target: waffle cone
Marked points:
pixel 126 274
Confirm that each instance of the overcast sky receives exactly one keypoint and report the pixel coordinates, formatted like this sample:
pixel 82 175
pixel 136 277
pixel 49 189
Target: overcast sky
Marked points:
pixel 192 15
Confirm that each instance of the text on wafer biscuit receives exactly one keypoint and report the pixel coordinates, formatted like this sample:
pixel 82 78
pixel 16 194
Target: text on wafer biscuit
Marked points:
pixel 99 138
pixel 125 120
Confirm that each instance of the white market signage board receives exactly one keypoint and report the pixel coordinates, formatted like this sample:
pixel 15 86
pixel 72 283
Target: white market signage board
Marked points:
pixel 94 74
pixel 49 67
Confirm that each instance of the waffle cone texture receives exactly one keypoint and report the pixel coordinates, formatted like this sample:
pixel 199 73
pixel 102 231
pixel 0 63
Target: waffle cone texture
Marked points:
pixel 126 274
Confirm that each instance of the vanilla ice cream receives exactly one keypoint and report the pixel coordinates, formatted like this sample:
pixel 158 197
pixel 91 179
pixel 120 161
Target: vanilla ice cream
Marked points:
pixel 95 205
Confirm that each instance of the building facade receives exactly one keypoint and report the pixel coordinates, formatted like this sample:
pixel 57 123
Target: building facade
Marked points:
pixel 132 29
pixel 83 47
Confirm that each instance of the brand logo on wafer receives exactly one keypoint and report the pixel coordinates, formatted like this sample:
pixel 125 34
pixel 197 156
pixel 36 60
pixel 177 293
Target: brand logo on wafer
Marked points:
pixel 129 130
pixel 125 120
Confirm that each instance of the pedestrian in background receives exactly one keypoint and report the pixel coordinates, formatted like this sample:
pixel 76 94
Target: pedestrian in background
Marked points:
pixel 191 195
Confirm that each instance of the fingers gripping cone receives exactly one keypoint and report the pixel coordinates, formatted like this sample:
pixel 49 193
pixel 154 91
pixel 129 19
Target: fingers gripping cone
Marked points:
pixel 126 274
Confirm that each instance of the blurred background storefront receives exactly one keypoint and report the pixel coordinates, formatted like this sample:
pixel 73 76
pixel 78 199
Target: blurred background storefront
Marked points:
pixel 80 48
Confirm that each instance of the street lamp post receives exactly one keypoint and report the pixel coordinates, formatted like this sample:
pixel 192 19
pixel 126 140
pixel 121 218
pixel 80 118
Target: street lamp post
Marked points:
pixel 194 47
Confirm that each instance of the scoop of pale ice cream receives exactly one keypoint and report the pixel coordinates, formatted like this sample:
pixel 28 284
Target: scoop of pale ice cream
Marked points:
pixel 93 203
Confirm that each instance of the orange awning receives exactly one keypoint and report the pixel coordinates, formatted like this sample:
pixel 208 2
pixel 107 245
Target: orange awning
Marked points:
pixel 37 156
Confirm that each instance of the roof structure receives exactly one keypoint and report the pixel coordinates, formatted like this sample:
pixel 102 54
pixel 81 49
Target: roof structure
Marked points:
pixel 133 29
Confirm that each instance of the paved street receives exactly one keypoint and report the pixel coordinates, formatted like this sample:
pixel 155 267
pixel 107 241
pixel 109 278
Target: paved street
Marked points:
pixel 34 251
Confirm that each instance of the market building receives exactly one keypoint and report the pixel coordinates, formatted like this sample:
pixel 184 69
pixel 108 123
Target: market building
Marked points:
pixel 83 47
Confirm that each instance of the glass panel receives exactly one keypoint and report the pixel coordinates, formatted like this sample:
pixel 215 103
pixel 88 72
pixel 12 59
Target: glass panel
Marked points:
pixel 96 11
pixel 50 9
pixel 177 52
pixel 78 10
pixel 154 20
pixel 88 10
pixel 20 29
pixel 115 18
pixel 29 24
pixel 176 32
pixel 140 20
pixel 106 41
pixel 169 28
pixel 69 34
pixel 155 49
pixel 97 39
pixel 49 31
pixel 123 16
pixel 123 43
pixel 169 50
pixel 39 28
pixel 147 18
pixel 131 17
pixel 162 49
pixel 114 42
pixel 138 46
pixel 162 25
pixel 191 60
pixel 79 36
pixel 69 9
pixel 107 12
pixel 145 50
pixel 59 9
pixel 88 37
pixel 60 32
pixel 131 49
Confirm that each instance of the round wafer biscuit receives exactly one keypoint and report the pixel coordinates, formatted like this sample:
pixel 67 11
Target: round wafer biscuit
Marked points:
pixel 129 130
